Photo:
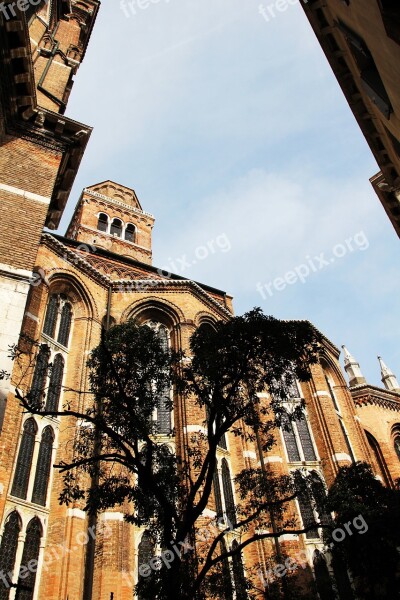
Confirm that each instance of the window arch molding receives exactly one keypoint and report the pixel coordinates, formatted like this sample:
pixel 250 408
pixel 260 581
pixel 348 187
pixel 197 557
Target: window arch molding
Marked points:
pixel 129 233
pixel 378 457
pixel 153 309
pixel 103 222
pixel 81 300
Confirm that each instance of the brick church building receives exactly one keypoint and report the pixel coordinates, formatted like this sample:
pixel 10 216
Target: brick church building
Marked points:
pixel 99 274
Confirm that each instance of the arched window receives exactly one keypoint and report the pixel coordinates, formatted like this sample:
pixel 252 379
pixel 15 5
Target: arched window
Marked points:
pixel 51 316
pixel 116 227
pixel 65 324
pixel 59 312
pixel 130 233
pixel 228 492
pixel 26 585
pixel 102 223
pixel 43 467
pixel 24 460
pixel 322 577
pixel 222 442
pixel 305 440
pixel 227 589
pixel 8 551
pixel 55 385
pixel 298 441
pixel 308 517
pixel 217 495
pixel 37 391
pixel 146 552
pixel 290 442
pixel 238 574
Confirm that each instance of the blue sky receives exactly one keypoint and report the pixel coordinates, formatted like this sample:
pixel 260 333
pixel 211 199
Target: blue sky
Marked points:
pixel 234 133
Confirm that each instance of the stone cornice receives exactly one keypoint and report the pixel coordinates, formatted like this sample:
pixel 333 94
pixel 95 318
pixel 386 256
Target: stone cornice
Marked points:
pixel 365 394
pixel 117 202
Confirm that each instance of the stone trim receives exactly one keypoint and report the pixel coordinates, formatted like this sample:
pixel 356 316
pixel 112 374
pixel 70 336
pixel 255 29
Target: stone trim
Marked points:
pixel 28 195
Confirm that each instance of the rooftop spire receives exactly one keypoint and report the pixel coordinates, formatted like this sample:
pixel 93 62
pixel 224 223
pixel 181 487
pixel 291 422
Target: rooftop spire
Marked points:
pixel 352 369
pixel 389 379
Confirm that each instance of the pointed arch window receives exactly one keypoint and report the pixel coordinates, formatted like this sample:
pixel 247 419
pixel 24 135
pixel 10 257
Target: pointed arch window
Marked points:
pixel 102 223
pixel 37 391
pixel 397 445
pixel 26 586
pixel 146 551
pixel 55 384
pixel 8 551
pixel 298 440
pixel 50 322
pixel 228 492
pixel 43 467
pixel 116 227
pixel 130 233
pixel 58 319
pixel 65 325
pixel 24 461
pixel 238 574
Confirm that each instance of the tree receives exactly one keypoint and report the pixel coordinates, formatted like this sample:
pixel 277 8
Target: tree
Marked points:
pixel 368 514
pixel 120 459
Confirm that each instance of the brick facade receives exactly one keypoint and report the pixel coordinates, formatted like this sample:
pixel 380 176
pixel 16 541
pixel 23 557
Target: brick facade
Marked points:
pixel 97 278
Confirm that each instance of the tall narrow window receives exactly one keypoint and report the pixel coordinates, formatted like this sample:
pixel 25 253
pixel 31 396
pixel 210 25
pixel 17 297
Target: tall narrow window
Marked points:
pixel 238 574
pixel 43 467
pixel 290 442
pixel 24 461
pixel 217 495
pixel 130 233
pixel 307 516
pixel 227 589
pixel 51 316
pixel 397 445
pixel 116 227
pixel 55 385
pixel 305 440
pixel 228 492
pixel 8 551
pixel 222 442
pixel 37 391
pixel 319 493
pixel 332 394
pixel 145 554
pixel 65 325
pixel 164 401
pixel 298 441
pixel 26 586
pixel 102 223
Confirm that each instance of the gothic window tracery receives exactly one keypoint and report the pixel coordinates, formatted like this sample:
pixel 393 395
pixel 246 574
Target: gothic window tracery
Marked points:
pixel 164 416
pixel 24 461
pixel 43 467
pixel 228 492
pixel 298 440
pixel 146 552
pixel 8 551
pixel 26 585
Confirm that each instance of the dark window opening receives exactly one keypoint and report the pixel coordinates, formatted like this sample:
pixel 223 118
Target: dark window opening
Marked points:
pixel 116 228
pixel 26 585
pixel 43 467
pixel 65 325
pixel 130 233
pixel 51 316
pixel 238 574
pixel 102 223
pixel 228 492
pixel 24 460
pixel 8 551
pixel 55 384
pixel 217 495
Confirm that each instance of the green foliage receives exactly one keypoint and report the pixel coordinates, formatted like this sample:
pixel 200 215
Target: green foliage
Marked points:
pixel 372 555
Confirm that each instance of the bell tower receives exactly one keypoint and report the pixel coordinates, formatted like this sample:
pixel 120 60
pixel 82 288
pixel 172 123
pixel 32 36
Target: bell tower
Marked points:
pixel 110 216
